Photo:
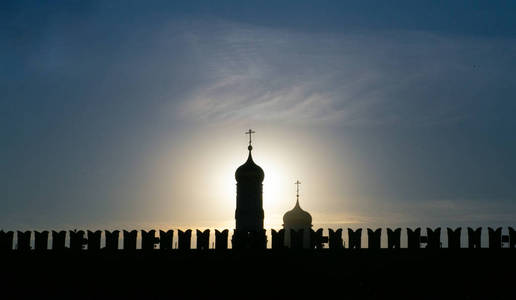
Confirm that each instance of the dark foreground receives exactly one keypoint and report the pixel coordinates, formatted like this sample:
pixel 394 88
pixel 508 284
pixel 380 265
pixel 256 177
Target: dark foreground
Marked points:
pixel 346 274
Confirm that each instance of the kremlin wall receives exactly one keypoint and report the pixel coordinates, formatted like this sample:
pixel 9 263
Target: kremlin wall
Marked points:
pixel 294 262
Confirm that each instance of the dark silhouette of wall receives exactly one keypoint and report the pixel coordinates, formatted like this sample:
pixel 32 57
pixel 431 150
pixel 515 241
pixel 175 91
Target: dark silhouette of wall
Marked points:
pixel 252 240
pixel 355 238
pixel 40 240
pixel 166 239
pixel 6 240
pixel 474 236
pixel 149 240
pixel 374 238
pixel 335 239
pixel 130 240
pixel 394 238
pixel 414 238
pixel 24 240
pixel 454 237
pixel 317 239
pixel 249 240
pixel 278 239
pixel 112 239
pixel 433 238
pixel 221 239
pixel 77 240
pixel 94 240
pixel 486 273
pixel 185 239
pixel 58 240
pixel 296 238
pixel 203 239
pixel 495 237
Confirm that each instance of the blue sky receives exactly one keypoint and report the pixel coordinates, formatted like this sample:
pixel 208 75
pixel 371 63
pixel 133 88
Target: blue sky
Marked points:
pixel 122 113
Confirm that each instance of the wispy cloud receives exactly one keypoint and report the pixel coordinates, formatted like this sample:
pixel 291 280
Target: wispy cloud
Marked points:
pixel 353 78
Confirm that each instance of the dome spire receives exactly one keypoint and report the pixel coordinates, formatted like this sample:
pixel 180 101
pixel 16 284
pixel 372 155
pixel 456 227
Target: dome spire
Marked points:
pixel 297 194
pixel 250 133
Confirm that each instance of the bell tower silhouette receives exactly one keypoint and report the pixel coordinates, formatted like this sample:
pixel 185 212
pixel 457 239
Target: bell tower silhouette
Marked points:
pixel 249 231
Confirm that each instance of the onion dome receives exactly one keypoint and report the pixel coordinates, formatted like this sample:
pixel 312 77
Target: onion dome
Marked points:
pixel 249 171
pixel 297 217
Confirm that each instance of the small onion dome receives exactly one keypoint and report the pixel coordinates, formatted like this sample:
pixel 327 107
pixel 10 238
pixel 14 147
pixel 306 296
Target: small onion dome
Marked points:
pixel 297 217
pixel 249 171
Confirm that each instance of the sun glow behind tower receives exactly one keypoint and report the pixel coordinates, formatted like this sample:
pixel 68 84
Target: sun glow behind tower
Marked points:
pixel 205 191
pixel 275 189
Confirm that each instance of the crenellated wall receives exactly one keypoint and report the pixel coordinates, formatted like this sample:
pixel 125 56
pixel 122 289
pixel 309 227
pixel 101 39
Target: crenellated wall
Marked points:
pixel 204 240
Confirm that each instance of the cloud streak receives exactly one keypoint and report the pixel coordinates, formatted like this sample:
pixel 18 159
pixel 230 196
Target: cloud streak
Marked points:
pixel 350 78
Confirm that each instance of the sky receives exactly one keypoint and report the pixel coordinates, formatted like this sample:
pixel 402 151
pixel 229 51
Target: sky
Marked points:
pixel 131 114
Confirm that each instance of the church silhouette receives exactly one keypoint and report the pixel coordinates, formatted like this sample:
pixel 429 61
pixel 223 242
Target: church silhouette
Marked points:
pixel 249 231
pixel 297 224
pixel 302 262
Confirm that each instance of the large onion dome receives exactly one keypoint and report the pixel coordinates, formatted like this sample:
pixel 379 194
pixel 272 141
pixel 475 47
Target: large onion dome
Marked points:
pixel 249 171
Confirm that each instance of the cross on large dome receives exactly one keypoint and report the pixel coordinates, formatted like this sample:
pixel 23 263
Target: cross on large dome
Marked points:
pixel 249 171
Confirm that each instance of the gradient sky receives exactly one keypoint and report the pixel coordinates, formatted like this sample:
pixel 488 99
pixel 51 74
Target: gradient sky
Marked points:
pixel 120 114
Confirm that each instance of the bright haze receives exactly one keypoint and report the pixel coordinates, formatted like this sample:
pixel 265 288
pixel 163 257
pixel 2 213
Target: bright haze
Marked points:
pixel 130 114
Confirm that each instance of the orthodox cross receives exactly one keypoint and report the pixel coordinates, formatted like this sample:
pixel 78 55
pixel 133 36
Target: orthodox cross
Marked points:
pixel 250 133
pixel 297 183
